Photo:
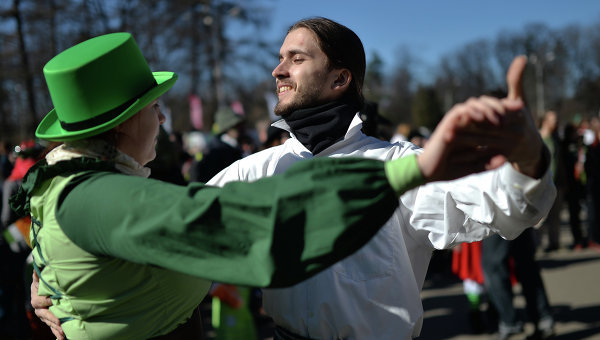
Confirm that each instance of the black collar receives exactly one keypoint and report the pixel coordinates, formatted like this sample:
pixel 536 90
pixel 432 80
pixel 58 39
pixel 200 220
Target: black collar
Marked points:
pixel 320 127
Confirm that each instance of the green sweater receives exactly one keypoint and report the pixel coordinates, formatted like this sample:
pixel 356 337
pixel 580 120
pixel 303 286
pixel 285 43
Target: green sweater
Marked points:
pixel 128 257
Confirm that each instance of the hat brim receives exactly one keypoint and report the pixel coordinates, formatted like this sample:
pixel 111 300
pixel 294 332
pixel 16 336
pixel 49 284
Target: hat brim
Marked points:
pixel 229 124
pixel 50 128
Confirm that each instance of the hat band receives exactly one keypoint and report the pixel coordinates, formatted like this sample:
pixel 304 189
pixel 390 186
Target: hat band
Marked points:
pixel 104 117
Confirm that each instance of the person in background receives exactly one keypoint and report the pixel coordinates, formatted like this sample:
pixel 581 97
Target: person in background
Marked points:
pixel 466 264
pixel 232 317
pixel 122 256
pixel 374 124
pixel 571 151
pixel 6 160
pixel 592 172
pixel 224 149
pixel 375 293
pixel 275 137
pixel 167 166
pixel 16 314
pixel 496 256
pixel 401 133
pixel 28 153
pixel 549 133
pixel 418 137
pixel 178 144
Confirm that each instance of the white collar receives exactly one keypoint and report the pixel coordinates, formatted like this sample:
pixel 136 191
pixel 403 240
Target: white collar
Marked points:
pixel 227 139
pixel 97 148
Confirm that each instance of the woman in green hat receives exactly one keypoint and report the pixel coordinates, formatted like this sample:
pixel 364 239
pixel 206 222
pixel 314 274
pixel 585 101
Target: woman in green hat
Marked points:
pixel 126 257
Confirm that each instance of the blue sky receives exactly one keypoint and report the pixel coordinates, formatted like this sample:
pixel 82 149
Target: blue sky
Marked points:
pixel 431 28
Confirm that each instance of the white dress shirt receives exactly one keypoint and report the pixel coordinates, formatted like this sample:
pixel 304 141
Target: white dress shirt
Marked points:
pixel 375 293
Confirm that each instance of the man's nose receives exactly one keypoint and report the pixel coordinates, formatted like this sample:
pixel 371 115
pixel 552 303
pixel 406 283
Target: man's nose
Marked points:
pixel 279 71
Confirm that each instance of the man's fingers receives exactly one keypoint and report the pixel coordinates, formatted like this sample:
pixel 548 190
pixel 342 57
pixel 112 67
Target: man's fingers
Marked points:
pixel 58 333
pixel 480 113
pixel 38 301
pixel 48 318
pixel 41 304
pixel 51 321
pixel 514 77
pixel 496 162
pixel 34 283
pixel 496 107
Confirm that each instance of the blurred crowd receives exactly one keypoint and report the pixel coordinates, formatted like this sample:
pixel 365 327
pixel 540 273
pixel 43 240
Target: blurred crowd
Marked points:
pixel 232 312
pixel 490 268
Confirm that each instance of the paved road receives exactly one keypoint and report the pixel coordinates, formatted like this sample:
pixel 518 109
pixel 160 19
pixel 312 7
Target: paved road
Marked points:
pixel 572 281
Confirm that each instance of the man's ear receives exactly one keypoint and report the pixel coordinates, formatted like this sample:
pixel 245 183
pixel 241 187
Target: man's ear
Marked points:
pixel 343 80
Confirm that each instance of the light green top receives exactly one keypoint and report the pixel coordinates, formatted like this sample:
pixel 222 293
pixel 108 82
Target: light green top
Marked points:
pixel 101 297
pixel 105 236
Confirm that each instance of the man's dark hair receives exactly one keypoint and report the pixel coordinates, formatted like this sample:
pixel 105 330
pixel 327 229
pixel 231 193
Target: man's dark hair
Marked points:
pixel 343 49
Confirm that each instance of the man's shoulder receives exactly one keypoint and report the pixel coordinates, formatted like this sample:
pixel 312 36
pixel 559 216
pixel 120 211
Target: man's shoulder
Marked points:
pixel 371 147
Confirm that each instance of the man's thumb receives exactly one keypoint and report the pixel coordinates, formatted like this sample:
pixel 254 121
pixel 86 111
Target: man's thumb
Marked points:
pixel 514 77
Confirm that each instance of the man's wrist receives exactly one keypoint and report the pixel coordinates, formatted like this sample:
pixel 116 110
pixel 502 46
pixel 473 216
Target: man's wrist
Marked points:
pixel 404 174
pixel 537 166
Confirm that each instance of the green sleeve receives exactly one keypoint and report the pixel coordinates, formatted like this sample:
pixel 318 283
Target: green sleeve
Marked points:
pixel 404 174
pixel 274 232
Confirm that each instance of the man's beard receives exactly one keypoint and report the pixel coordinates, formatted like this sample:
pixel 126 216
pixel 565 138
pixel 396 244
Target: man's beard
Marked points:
pixel 303 100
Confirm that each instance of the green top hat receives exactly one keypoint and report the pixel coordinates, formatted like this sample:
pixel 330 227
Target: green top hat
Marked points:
pixel 98 84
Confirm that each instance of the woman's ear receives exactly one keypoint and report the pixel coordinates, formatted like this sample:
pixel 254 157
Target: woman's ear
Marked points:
pixel 343 79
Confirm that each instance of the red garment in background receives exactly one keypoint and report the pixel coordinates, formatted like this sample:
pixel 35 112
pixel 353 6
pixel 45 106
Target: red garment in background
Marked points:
pixel 466 261
pixel 20 168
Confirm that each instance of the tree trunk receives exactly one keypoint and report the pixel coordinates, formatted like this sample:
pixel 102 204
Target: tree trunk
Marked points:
pixel 32 122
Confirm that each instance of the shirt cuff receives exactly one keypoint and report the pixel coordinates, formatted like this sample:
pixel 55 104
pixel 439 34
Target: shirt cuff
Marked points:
pixel 534 190
pixel 404 174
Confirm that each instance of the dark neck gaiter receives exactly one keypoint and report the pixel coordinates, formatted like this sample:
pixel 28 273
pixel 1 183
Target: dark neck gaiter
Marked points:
pixel 319 127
